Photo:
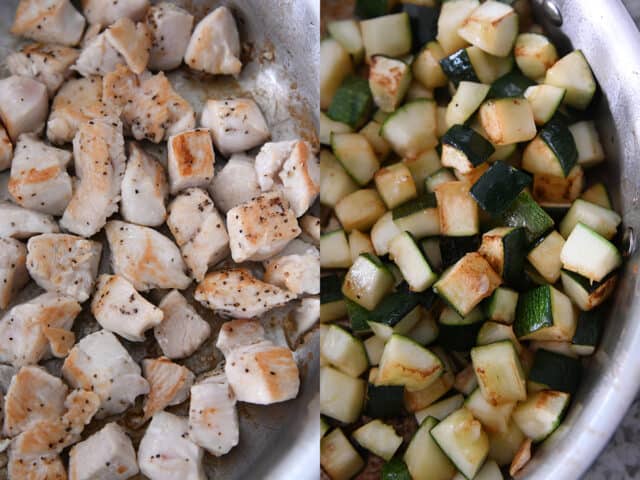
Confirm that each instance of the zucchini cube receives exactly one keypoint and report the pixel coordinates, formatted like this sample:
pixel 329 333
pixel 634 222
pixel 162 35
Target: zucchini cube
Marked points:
pixel 535 54
pixel 352 103
pixel 341 396
pixel 359 243
pixel 334 250
pixel 328 126
pixel 395 184
pixel 499 186
pixel 510 85
pixel 552 152
pixel 545 257
pixel 420 217
pixel 464 149
pixel 387 35
pixel 508 120
pixel 505 248
pixel 555 371
pixel 344 351
pixel 589 254
pixel 493 27
pixel 588 332
pixel 414 401
pixel 503 446
pixel 501 306
pixel 424 459
pixel 541 414
pixel 332 306
pixel 597 194
pixel 585 293
pixel 411 129
pixel 458 68
pixel 336 65
pixel 587 141
pixel 500 375
pixel 355 154
pixel 426 67
pixel 371 131
pixel 572 73
pixel 338 457
pixel 525 212
pixel 551 189
pixel 452 17
pixel 360 210
pixel 601 220
pixel 415 268
pixel 544 100
pixel 494 418
pixel 467 99
pixel 367 281
pixel 457 210
pixel 383 401
pixel 379 438
pixel 347 32
pixel 441 409
pixel 335 182
pixel 383 232
pixel 545 313
pixel 389 81
pixel 422 166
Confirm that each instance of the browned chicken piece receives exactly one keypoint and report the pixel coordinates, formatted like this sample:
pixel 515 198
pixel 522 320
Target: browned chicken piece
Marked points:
pixel 190 159
pixel 6 149
pixel 306 315
pixel 20 222
pixel 236 183
pixel 24 105
pixel 49 64
pixel 148 105
pixel 49 21
pixel 169 384
pixel 13 269
pixel 237 333
pixel 105 13
pixel 297 273
pixel 310 229
pixel 170 28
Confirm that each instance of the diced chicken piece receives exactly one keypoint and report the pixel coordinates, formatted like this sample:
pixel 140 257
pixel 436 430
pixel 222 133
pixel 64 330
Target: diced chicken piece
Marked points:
pixel 236 292
pixel 199 231
pixel 105 13
pixel 269 162
pixel 213 418
pixel 92 31
pixel 24 105
pixel 60 341
pixel 144 189
pixel 297 273
pixel 167 453
pixel 49 21
pixel 44 467
pixel 169 383
pixel 99 363
pixel 6 149
pixel 98 57
pixel 182 330
pixel 39 179
pixel 236 183
pixel 98 150
pixel 190 159
pixel 34 395
pixel 170 28
pixel 306 315
pixel 215 44
pixel 120 309
pixel 298 247
pixel 261 227
pixel 144 257
pixel 49 64
pixel 22 327
pixel 78 101
pixel 13 269
pixel 105 455
pixel 238 333
pixel 149 106
pixel 64 263
pixel 310 228
pixel 236 125
pixel 19 222
pixel 262 373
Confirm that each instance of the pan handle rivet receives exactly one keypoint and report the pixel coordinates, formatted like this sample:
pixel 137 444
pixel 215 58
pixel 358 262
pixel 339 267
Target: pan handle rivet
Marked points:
pixel 628 244
pixel 552 12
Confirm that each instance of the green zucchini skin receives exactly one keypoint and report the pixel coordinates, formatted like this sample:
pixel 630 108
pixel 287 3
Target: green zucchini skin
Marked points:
pixel 372 8
pixel 395 469
pixel 525 212
pixel 510 85
pixel 358 317
pixel 384 401
pixel 477 148
pixel 558 138
pixel 331 288
pixel 558 372
pixel 352 103
pixel 424 23
pixel 424 201
pixel 534 311
pixel 459 338
pixel 515 253
pixel 499 186
pixel 457 67
pixel 589 328
pixel 454 248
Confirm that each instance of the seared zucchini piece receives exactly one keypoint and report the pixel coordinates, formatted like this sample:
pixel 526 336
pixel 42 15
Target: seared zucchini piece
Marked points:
pixel 332 306
pixel 355 154
pixel 334 250
pixel 367 281
pixel 347 32
pixel 492 332
pixel 374 8
pixel 389 80
pixel 598 194
pixel 383 232
pixel 510 85
pixel 359 243
pixel 420 217
pixel 393 316
pixel 541 413
pixel 545 313
pixel 336 65
pixel 424 459
pixel 467 99
pixel 585 293
pixel 352 102
pixel 501 306
pixel 341 396
pixel 504 445
pixel 499 187
pixel 463 148
pixel 589 254
pixel 466 380
pixel 411 129
pixel 489 471
pixel 552 152
pixel 545 257
pixel 422 166
pixel 457 209
pixel 328 126
pixel 442 175
pixel 441 409
pixel 507 120
pixel 383 401
pixel 424 20
pixel 572 72
pixel 374 345
pixel 588 332
pixel 500 375
pixel 335 182
pixel 459 333
pixel 344 351
pixel 534 54
pixel 458 68
pixel 371 131
pixel 587 141
pixel 395 184
pixel 603 221
pixel 505 248
pixel 555 371
pixel 452 17
pixel 494 418
pixel 488 68
pixel 379 438
pixel 414 401
pixel 360 210
pixel 454 248
pixel 338 457
pixel 549 189
pixel 395 469
pixel 525 212
pixel 545 101
pixel 493 27
pixel 387 35
pixel 426 66
pixel 415 268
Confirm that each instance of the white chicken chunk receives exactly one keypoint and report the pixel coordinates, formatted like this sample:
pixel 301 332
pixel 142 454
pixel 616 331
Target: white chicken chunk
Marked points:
pixel 236 183
pixel 170 27
pixel 269 162
pixel 98 150
pixel 306 315
pixel 262 373
pixel 144 257
pixel 47 466
pixel 105 13
pixel 236 125
pixel 213 417
pixel 25 327
pixel 49 64
pixel 99 363
pixel 39 179
pixel 34 395
pixel 13 269
pixel 297 273
pixel 215 44
pixel 237 333
pixel 6 149
pixel 190 159
pixel 167 453
pixel 236 292
pixel 310 229
pixel 78 101
pixel 261 227
pixel 120 309
pixel 199 231
pixel 49 21
pixel 20 222
pixel 169 384
pixel 24 105
pixel 65 264
pixel 148 105
pixel 105 455
pixel 182 330
pixel 144 189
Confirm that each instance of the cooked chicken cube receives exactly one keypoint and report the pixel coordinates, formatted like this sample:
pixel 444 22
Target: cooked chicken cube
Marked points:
pixel 37 467
pixel 310 229
pixel 199 231
pixel 239 332
pixel 13 269
pixel 60 341
pixel 215 44
pixel 78 101
pixel 298 247
pixel 306 315
pixel 236 183
pixel 236 292
pixel 261 227
pixel 170 28
pixel 23 327
pixel 144 257
pixel 98 57
pixel 39 179
pixel 49 64
pixel 297 273
pixel 149 106
pixel 20 222
pixel 64 263
pixel 213 418
pixel 49 21
pixel 269 162
pixel 169 384
pixel 236 125
pixel 105 455
pixel 182 330
pixel 98 362
pixel 144 189
pixel 6 149
pixel 24 105
pixel 167 453
pixel 105 13
pixel 190 159
pixel 98 150
pixel 262 373
pixel 34 395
